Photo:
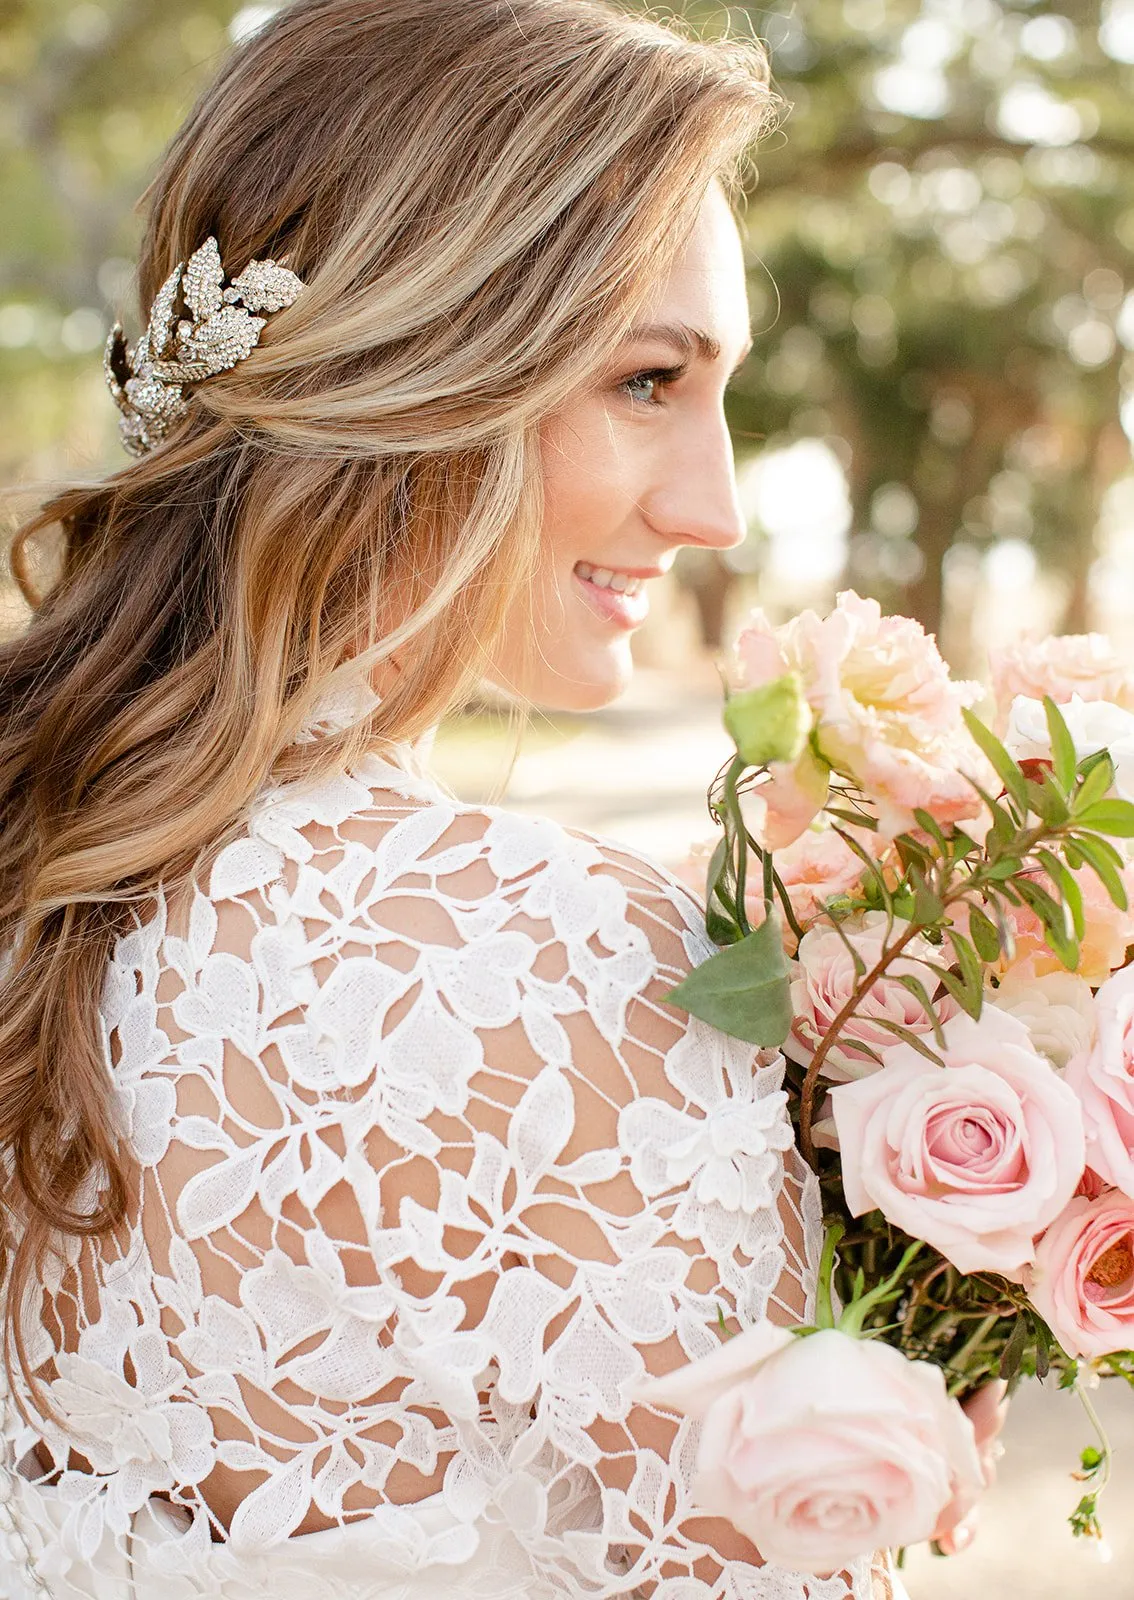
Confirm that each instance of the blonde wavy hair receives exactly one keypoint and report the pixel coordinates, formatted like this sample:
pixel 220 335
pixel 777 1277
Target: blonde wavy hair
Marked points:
pixel 477 196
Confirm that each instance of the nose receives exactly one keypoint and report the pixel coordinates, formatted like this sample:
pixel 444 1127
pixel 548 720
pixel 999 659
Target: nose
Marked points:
pixel 695 499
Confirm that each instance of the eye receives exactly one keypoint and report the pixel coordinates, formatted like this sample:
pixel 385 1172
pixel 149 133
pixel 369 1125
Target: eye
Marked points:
pixel 643 387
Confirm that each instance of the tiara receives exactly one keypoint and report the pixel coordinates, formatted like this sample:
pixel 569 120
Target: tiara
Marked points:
pixel 197 328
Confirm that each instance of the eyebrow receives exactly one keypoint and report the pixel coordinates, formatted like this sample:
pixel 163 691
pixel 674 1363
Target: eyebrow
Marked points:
pixel 690 341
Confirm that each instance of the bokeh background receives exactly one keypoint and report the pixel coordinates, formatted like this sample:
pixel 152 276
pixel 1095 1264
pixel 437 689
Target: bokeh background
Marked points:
pixel 938 411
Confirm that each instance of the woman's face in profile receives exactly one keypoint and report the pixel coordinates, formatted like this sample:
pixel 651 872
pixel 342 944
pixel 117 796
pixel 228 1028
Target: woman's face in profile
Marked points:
pixel 634 468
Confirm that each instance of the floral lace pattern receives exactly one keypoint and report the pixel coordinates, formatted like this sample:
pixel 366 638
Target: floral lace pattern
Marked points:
pixel 428 1178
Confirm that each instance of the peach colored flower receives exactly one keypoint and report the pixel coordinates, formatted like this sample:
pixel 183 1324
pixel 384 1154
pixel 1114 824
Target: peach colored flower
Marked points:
pixel 1108 930
pixel 1082 1283
pixel 1103 1078
pixel 824 978
pixel 976 1158
pixel 815 868
pixel 888 716
pixel 1083 664
pixel 823 1448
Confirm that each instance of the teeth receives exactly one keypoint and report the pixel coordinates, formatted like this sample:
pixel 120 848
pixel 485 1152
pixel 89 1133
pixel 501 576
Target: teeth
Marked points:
pixel 605 578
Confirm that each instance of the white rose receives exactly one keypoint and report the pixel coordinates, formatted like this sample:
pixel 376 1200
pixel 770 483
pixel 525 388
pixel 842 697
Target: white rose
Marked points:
pixel 1057 1008
pixel 1093 725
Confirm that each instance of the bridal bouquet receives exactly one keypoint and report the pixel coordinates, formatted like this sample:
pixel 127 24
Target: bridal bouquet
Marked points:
pixel 933 922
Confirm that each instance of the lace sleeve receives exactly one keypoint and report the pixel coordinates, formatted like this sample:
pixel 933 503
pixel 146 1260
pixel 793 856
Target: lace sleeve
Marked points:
pixel 658 1190
pixel 429 1176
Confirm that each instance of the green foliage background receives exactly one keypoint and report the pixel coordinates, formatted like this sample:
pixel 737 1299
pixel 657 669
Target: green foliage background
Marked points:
pixel 941 239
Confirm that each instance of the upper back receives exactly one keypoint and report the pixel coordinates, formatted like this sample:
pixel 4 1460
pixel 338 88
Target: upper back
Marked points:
pixel 424 1161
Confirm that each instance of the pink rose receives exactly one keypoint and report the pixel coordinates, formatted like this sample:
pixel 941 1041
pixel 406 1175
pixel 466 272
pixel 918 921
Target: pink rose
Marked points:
pixel 823 1448
pixel 824 979
pixel 1083 664
pixel 987 1409
pixel 1083 1280
pixel 1103 1078
pixel 975 1159
pixel 888 715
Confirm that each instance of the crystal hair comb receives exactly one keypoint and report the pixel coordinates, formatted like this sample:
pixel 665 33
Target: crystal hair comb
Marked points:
pixel 217 328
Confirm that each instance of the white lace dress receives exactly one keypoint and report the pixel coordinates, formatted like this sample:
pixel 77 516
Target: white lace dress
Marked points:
pixel 428 1177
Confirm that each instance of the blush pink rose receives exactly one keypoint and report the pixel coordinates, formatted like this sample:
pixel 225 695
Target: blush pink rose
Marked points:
pixel 824 978
pixel 1082 1283
pixel 986 1409
pixel 976 1158
pixel 824 1448
pixel 1103 1078
pixel 1083 664
pixel 888 715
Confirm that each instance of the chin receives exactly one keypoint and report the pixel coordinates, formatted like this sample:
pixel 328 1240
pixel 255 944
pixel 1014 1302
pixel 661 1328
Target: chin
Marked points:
pixel 589 687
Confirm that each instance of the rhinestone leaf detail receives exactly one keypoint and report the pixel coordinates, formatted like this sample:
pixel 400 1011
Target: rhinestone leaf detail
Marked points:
pixel 198 328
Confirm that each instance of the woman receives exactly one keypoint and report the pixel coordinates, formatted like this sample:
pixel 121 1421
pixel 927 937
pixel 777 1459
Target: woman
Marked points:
pixel 356 1171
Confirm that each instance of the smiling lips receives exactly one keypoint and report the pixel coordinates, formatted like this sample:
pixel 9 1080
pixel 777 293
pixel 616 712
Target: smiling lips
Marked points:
pixel 618 597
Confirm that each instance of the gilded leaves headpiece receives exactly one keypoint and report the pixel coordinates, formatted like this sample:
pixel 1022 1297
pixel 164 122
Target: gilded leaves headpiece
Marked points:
pixel 198 326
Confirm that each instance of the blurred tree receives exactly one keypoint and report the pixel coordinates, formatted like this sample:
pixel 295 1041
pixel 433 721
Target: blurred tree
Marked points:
pixel 947 219
pixel 90 90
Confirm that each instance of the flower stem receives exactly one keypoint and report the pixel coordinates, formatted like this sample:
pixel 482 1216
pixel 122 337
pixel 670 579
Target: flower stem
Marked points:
pixel 810 1083
pixel 824 1309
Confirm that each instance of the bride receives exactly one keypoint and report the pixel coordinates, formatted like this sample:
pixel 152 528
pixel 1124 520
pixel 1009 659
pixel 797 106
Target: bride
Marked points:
pixel 356 1172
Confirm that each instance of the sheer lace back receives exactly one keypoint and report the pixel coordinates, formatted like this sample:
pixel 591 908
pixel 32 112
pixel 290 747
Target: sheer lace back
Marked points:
pixel 429 1176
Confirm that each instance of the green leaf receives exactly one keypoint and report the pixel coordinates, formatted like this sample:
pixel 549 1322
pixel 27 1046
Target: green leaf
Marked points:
pixel 1057 926
pixel 910 851
pixel 929 824
pixel 972 971
pixel 1013 1351
pixel 1062 746
pixel 1046 799
pixel 853 819
pixel 984 934
pixel 960 991
pixel 1043 1347
pixel 1004 825
pixel 722 929
pixel 1098 780
pixel 1112 817
pixel 921 995
pixel 743 990
pixel 1068 888
pixel 1005 768
pixel 928 905
pixel 1106 863
pixel 1005 867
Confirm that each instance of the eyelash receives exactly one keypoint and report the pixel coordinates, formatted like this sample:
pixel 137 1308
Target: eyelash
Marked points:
pixel 661 376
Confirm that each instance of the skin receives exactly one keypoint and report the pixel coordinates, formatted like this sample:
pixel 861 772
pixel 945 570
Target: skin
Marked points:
pixel 634 468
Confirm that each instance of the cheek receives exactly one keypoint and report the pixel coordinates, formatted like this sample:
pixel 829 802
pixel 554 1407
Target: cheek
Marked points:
pixel 567 658
pixel 588 478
